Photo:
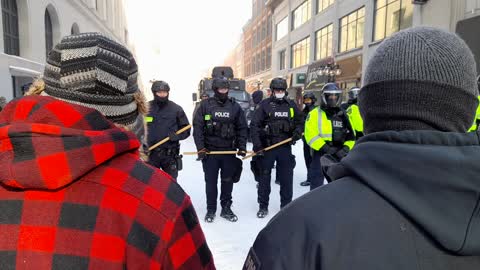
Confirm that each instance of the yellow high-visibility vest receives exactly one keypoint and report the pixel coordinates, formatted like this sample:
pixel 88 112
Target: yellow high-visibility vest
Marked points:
pixel 477 118
pixel 319 129
pixel 356 121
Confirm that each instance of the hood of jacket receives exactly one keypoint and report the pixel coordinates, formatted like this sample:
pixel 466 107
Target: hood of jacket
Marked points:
pixel 46 144
pixel 432 177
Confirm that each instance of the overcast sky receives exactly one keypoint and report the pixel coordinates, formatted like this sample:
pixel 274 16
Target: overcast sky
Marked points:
pixel 177 41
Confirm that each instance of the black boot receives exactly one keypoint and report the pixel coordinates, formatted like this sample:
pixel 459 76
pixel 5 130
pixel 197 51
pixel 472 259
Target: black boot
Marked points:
pixel 305 183
pixel 228 214
pixel 210 216
pixel 262 212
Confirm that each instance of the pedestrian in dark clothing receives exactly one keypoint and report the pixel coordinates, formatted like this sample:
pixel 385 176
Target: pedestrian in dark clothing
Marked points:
pixel 220 125
pixel 406 196
pixel 276 120
pixel 164 119
pixel 74 193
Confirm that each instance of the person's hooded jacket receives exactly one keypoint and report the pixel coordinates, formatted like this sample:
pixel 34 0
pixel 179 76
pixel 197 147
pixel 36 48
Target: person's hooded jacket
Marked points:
pixel 74 195
pixel 400 200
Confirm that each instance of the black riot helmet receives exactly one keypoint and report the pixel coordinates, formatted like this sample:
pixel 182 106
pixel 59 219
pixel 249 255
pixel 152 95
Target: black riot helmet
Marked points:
pixel 309 98
pixel 331 95
pixel 278 84
pixel 220 83
pixel 353 94
pixel 160 86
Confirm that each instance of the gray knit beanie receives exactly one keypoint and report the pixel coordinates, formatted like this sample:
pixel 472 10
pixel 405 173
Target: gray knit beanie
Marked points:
pixel 420 79
pixel 94 71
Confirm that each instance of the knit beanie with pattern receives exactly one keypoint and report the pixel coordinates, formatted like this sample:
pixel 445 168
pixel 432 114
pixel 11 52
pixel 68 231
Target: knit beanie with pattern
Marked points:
pixel 421 78
pixel 94 71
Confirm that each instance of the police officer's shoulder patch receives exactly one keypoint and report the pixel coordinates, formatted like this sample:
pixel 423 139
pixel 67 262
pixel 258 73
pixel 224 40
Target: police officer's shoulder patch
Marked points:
pixel 252 262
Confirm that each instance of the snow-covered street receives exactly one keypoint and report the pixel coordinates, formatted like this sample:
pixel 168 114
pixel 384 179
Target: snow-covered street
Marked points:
pixel 230 242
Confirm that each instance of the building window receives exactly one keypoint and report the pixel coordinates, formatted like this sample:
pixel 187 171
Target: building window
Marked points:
pixel 351 30
pixel 392 16
pixel 282 58
pixel 323 4
pixel 269 57
pixel 264 60
pixel 301 14
pixel 259 62
pixel 300 53
pixel 48 32
pixel 269 25
pixel 11 35
pixel 259 35
pixel 323 45
pixel 264 30
pixel 281 29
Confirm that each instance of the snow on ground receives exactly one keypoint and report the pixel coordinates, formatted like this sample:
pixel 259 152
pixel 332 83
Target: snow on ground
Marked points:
pixel 230 242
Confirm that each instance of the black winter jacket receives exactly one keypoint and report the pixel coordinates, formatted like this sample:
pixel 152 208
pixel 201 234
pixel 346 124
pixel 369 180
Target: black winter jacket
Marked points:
pixel 278 112
pixel 220 126
pixel 162 120
pixel 401 200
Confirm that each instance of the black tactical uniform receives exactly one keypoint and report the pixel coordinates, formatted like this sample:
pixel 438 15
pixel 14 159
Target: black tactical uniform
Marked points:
pixel 163 120
pixel 276 119
pixel 220 125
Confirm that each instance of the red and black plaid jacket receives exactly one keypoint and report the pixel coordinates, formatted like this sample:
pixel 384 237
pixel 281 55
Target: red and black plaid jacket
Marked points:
pixel 74 195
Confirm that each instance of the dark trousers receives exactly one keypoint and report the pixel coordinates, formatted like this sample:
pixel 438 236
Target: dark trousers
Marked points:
pixel 315 171
pixel 307 155
pixel 211 166
pixel 284 171
pixel 165 162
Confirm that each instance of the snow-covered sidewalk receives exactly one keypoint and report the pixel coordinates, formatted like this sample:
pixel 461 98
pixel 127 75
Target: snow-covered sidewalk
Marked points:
pixel 230 242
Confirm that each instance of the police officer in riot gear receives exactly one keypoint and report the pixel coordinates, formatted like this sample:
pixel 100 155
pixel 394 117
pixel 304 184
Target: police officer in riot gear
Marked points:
pixel 164 119
pixel 327 132
pixel 353 112
pixel 220 125
pixel 276 119
pixel 309 100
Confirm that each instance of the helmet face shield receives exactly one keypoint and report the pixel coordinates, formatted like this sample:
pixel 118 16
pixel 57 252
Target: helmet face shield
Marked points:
pixel 353 93
pixel 332 98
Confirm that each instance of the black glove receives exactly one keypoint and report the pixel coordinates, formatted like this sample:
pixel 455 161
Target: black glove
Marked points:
pixel 328 161
pixel 241 153
pixel 327 150
pixel 173 137
pixel 202 154
pixel 296 136
pixel 343 152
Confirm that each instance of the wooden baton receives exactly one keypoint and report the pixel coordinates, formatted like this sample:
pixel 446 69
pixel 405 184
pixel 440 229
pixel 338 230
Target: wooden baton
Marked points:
pixel 180 131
